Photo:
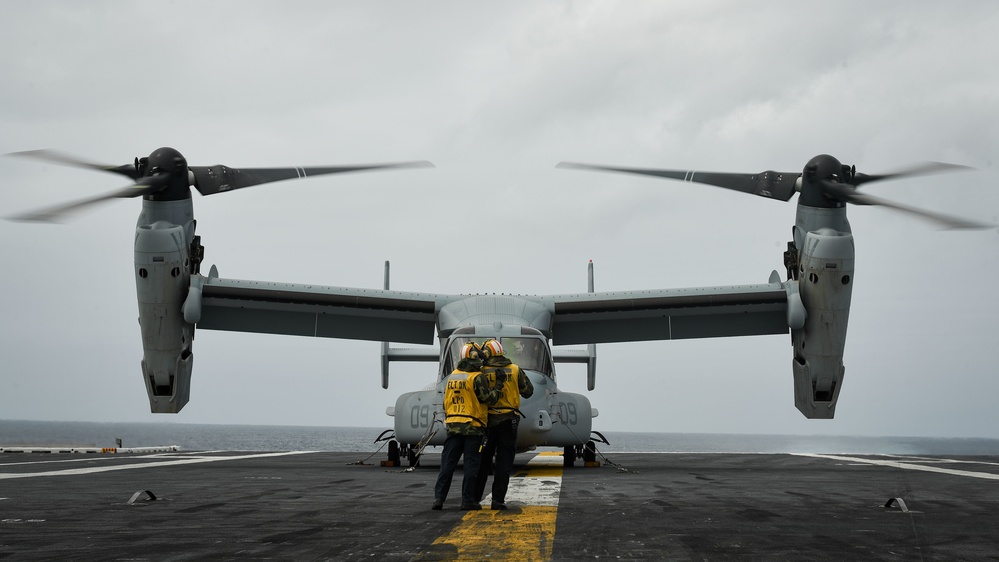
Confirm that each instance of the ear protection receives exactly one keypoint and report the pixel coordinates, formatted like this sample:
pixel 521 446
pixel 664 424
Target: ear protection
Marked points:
pixel 492 348
pixel 470 350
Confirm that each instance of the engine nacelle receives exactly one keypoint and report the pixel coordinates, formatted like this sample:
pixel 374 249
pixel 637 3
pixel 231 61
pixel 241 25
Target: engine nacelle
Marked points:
pixel 825 285
pixel 162 278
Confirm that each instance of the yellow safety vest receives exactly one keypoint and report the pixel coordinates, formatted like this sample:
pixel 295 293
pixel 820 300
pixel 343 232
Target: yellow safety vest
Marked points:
pixel 460 403
pixel 509 400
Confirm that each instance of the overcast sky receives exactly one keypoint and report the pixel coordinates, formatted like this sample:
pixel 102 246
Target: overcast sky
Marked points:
pixel 495 94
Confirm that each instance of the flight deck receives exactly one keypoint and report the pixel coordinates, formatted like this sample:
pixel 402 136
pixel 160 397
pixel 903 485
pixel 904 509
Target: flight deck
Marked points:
pixel 179 505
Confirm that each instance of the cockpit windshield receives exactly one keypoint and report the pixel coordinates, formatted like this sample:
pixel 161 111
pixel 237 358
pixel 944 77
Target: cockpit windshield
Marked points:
pixel 527 352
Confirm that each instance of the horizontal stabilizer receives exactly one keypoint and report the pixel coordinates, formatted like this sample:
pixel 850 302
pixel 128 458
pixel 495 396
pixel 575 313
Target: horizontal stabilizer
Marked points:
pixel 416 354
pixel 589 356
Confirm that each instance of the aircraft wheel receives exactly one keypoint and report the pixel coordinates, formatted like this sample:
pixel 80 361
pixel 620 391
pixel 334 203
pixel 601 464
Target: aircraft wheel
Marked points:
pixel 590 452
pixel 414 459
pixel 393 451
pixel 569 457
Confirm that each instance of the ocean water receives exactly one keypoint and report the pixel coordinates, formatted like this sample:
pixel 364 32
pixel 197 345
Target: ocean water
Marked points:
pixel 201 437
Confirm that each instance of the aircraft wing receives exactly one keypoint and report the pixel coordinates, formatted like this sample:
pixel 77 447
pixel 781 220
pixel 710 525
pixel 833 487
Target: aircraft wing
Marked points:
pixel 319 311
pixel 408 317
pixel 669 314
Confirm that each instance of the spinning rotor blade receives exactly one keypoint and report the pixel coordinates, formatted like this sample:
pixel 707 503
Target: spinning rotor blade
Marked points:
pixel 923 169
pixel 215 179
pixel 165 175
pixel 825 183
pixel 770 184
pixel 850 194
pixel 54 157
pixel 143 186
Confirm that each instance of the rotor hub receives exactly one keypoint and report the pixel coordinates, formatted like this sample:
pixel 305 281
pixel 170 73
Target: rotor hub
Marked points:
pixel 169 164
pixel 822 168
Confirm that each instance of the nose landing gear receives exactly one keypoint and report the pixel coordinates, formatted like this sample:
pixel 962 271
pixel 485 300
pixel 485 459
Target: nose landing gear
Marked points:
pixel 587 451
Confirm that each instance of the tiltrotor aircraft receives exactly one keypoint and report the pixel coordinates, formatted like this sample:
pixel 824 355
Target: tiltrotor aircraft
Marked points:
pixel 812 303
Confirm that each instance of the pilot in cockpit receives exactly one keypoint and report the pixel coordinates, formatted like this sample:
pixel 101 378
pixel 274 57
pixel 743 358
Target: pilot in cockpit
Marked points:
pixel 524 352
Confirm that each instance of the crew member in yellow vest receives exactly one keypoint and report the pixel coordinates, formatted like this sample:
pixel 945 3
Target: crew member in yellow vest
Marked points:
pixel 504 418
pixel 466 400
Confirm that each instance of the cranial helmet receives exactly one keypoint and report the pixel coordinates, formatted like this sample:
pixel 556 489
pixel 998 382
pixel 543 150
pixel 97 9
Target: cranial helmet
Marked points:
pixel 470 351
pixel 492 348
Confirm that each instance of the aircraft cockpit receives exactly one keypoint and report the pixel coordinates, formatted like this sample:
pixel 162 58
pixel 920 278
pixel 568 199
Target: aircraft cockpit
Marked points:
pixel 528 352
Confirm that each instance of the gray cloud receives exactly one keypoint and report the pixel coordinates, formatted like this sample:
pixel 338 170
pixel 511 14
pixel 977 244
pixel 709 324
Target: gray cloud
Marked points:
pixel 495 96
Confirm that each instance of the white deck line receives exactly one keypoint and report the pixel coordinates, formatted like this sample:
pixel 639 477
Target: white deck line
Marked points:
pixel 904 465
pixel 534 490
pixel 156 464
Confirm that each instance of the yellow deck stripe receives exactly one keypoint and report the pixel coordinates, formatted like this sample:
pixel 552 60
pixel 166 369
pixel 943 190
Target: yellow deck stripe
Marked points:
pixel 523 532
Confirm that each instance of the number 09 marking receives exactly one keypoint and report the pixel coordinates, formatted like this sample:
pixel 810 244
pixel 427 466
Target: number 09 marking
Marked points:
pixel 419 416
pixel 567 412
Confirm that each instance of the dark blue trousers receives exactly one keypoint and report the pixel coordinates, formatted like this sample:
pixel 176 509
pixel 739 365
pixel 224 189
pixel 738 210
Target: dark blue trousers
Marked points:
pixel 456 446
pixel 502 442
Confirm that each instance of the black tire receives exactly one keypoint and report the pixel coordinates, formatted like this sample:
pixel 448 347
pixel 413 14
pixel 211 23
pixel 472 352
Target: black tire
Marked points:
pixel 569 457
pixel 393 451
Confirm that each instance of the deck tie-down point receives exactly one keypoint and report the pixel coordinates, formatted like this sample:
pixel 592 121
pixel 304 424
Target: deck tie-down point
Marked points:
pixel 136 495
pixel 899 501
